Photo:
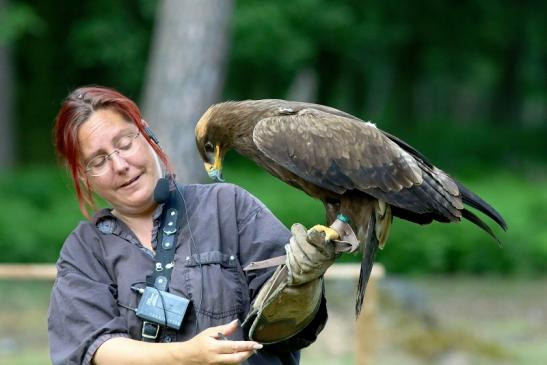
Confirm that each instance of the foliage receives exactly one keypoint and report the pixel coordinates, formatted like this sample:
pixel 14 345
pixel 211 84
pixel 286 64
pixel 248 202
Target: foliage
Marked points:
pixel 40 215
pixel 466 83
pixel 404 65
pixel 401 64
pixel 440 248
pixel 16 20
pixel 397 61
pixel 93 42
pixel 39 212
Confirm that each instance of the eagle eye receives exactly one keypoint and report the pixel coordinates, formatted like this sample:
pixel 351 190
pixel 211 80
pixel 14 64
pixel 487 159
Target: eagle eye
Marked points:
pixel 209 147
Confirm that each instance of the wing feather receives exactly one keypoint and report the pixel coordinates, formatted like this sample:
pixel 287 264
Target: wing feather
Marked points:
pixel 336 152
pixel 339 153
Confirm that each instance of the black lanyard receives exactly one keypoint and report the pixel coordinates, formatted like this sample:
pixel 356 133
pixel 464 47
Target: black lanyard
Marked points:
pixel 166 242
pixel 165 254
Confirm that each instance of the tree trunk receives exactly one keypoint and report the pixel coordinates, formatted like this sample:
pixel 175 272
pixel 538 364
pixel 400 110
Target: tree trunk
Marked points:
pixel 185 76
pixel 7 154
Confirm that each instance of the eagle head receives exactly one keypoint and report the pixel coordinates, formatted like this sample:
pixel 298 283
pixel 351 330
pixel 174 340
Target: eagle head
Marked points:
pixel 227 126
pixel 212 141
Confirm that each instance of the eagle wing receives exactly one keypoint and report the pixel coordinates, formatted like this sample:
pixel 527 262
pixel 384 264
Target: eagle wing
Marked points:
pixel 336 152
pixel 339 153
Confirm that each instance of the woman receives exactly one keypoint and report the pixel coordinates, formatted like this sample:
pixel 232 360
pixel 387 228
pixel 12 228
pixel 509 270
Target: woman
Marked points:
pixel 110 152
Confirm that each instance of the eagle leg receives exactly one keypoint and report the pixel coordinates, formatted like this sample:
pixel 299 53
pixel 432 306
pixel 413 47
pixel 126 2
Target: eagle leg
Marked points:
pixel 348 241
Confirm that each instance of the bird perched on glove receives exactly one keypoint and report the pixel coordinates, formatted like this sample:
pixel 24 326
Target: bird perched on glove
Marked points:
pixel 363 175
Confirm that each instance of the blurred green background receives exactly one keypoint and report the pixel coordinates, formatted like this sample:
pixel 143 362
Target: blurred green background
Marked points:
pixel 465 83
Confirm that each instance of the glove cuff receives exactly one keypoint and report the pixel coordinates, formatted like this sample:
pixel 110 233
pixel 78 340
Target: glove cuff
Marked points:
pixel 281 311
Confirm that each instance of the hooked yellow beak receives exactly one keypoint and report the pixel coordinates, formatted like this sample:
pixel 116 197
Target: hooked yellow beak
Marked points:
pixel 215 170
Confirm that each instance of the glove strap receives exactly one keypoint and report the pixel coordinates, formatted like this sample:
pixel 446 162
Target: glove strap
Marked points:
pixel 348 243
pixel 274 261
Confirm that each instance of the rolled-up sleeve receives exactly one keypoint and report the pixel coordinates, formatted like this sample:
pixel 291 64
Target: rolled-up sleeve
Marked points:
pixel 83 310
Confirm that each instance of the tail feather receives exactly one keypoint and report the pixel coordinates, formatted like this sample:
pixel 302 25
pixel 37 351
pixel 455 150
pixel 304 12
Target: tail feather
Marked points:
pixel 477 221
pixel 473 200
pixel 369 252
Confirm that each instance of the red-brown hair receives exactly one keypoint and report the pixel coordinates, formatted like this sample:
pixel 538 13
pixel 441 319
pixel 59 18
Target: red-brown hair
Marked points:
pixel 76 110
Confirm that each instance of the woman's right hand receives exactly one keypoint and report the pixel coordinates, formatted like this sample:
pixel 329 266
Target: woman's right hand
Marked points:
pixel 205 348
pixel 209 348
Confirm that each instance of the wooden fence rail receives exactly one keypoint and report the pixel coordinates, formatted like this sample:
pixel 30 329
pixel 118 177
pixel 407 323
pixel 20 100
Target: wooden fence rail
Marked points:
pixel 48 271
pixel 28 271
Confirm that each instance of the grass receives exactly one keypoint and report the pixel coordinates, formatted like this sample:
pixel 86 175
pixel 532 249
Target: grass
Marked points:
pixel 23 319
pixel 36 356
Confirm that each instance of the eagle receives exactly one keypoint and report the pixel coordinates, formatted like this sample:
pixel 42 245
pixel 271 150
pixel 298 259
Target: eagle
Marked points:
pixel 363 175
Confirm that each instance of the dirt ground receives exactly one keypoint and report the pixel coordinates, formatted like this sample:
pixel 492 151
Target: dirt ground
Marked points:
pixel 441 320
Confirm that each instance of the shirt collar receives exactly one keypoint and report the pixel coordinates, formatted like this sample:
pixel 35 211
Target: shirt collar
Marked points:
pixel 108 223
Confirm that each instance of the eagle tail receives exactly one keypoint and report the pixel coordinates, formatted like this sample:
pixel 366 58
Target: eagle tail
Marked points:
pixel 369 252
pixel 477 221
pixel 473 200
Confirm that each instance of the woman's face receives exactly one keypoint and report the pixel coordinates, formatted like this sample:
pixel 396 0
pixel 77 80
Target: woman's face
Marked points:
pixel 127 183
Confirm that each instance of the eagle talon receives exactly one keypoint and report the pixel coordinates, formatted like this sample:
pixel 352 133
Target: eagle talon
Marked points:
pixel 330 234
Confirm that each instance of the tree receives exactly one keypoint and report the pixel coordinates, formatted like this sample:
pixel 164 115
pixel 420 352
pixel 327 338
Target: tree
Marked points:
pixel 185 75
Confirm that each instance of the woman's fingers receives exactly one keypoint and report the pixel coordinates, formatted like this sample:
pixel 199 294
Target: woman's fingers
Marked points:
pixel 221 349
pixel 231 347
pixel 232 352
pixel 228 328
pixel 236 358
pixel 225 329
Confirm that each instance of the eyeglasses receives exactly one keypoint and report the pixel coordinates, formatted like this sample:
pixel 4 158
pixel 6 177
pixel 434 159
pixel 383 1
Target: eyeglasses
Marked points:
pixel 126 147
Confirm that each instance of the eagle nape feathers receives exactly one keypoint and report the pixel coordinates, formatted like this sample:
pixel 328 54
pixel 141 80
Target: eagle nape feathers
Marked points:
pixel 352 166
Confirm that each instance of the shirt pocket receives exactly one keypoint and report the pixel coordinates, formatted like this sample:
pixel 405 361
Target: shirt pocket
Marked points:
pixel 215 284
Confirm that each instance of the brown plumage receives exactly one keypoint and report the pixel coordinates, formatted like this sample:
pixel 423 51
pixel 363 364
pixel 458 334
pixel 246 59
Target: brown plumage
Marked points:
pixel 350 165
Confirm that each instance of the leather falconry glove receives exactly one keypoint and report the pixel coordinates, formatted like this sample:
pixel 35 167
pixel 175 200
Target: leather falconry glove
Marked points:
pixel 309 255
pixel 289 300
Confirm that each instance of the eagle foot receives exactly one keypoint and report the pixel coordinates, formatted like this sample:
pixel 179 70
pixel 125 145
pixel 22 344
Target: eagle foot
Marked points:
pixel 348 241
pixel 330 234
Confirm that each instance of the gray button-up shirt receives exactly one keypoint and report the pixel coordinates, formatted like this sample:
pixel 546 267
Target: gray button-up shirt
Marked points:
pixel 223 229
